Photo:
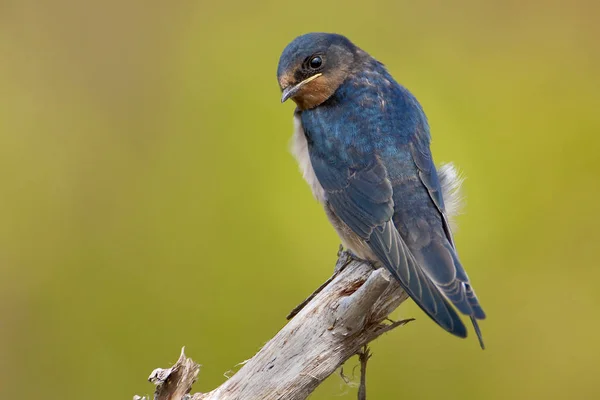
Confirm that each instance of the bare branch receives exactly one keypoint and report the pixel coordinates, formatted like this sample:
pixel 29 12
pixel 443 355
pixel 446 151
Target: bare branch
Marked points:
pixel 363 358
pixel 347 314
pixel 176 382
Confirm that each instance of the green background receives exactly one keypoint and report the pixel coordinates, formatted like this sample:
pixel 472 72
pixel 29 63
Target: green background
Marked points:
pixel 148 199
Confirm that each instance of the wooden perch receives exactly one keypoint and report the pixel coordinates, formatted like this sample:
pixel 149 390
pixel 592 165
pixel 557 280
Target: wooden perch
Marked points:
pixel 337 323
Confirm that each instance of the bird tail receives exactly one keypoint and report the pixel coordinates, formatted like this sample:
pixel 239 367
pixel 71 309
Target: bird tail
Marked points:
pixel 478 332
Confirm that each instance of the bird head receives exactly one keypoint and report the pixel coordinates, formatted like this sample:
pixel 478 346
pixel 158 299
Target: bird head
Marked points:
pixel 313 66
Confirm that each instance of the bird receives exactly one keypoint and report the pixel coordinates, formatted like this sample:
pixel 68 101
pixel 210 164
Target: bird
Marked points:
pixel 362 142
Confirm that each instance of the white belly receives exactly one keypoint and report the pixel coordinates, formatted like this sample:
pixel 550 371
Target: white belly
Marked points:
pixel 299 148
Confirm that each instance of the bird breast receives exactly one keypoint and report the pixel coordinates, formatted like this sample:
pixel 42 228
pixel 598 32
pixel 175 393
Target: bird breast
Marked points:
pixel 299 148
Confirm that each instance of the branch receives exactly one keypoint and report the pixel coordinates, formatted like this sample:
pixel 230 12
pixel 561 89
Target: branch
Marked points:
pixel 348 313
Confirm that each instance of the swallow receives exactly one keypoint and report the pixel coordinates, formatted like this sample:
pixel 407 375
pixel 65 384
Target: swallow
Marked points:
pixel 363 145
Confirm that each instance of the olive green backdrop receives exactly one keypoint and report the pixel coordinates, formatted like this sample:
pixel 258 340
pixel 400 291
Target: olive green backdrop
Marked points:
pixel 148 199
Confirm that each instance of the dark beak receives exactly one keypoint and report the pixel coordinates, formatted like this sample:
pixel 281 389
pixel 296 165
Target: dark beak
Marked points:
pixel 290 91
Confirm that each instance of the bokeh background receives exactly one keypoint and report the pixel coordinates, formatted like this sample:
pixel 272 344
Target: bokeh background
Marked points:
pixel 148 199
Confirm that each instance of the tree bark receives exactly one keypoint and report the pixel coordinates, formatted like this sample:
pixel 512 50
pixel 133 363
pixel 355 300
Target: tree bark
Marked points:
pixel 337 323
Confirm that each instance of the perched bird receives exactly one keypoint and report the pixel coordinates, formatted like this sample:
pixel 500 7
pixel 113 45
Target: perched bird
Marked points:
pixel 362 142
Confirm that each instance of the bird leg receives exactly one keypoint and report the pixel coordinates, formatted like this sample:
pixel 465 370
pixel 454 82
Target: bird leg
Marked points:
pixel 350 256
pixel 344 258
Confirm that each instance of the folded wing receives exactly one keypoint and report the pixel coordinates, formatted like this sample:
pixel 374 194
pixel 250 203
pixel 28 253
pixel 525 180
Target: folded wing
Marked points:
pixel 362 196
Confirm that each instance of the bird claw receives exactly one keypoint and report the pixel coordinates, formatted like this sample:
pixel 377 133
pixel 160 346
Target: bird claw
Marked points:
pixel 345 257
pixel 354 257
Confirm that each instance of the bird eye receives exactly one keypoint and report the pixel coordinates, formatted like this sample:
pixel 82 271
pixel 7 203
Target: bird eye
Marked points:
pixel 315 62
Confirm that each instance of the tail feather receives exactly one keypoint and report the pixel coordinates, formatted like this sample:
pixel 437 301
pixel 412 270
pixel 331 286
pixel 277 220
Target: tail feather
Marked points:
pixel 478 332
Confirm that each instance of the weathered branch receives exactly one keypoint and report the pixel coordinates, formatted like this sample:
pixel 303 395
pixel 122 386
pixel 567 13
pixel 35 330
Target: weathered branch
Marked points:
pixel 344 316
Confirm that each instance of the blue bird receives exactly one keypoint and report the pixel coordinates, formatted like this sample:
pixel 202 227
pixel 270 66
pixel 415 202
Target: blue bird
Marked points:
pixel 362 142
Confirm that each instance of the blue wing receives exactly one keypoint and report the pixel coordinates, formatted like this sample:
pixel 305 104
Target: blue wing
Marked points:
pixel 362 196
pixel 433 245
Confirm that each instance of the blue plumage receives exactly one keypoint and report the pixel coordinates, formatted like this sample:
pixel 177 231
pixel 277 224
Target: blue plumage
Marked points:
pixel 368 140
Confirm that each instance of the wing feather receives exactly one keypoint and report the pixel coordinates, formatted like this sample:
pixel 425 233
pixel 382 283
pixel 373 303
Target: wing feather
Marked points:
pixel 438 254
pixel 362 197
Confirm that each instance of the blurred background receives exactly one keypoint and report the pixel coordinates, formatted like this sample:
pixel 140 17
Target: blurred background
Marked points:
pixel 148 199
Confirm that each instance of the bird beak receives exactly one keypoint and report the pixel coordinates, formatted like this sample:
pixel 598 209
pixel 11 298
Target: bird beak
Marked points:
pixel 292 90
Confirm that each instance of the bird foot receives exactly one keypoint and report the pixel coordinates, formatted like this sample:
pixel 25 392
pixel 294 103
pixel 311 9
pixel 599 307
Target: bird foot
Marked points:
pixel 345 257
pixel 354 257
